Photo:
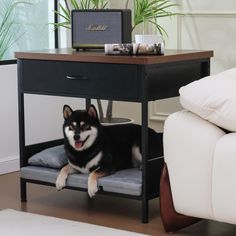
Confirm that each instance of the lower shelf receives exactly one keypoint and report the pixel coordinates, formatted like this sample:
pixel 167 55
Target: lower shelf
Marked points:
pixel 128 181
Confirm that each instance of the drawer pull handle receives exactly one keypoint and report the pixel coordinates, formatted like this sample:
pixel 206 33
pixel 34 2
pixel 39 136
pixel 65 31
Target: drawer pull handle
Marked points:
pixel 77 77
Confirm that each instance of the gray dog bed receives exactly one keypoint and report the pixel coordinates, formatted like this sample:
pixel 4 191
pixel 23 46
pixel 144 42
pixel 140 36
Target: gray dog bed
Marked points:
pixel 45 166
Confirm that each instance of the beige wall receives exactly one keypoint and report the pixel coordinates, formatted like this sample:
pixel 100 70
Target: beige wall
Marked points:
pixel 8 119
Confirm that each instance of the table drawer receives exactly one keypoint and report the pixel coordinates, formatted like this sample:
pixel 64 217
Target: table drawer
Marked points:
pixel 95 80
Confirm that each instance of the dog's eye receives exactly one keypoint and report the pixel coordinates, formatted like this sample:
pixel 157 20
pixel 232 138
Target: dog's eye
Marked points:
pixel 71 127
pixel 85 127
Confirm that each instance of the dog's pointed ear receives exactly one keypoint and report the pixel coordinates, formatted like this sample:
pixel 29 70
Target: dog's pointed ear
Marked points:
pixel 92 111
pixel 67 111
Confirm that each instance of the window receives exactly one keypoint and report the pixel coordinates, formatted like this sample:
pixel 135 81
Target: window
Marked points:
pixel 32 28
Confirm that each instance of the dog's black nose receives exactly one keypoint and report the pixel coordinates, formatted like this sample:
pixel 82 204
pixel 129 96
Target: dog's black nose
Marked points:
pixel 76 137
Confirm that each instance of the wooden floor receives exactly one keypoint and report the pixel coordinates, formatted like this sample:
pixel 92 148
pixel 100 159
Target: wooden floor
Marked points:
pixel 102 210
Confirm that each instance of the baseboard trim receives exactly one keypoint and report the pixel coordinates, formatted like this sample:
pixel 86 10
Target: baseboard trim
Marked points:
pixel 158 116
pixel 9 164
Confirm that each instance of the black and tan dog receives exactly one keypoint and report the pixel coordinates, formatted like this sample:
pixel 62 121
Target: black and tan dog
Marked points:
pixel 99 150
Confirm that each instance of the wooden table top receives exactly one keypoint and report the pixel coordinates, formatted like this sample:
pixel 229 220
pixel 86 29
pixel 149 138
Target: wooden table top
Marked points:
pixel 68 54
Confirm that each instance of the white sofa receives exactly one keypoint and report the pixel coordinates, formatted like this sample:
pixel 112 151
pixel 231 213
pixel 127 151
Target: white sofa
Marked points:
pixel 198 180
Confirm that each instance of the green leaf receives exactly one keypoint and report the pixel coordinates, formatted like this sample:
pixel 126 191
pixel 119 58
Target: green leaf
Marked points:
pixel 66 13
pixel 74 4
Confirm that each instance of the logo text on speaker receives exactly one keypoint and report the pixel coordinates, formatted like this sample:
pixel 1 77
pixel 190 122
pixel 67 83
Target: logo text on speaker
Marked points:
pixel 92 27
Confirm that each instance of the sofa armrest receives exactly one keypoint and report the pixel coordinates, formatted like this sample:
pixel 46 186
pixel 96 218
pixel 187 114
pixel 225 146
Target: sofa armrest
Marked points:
pixel 189 144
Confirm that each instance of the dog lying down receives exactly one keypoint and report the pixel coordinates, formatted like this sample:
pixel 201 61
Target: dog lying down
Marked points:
pixel 99 150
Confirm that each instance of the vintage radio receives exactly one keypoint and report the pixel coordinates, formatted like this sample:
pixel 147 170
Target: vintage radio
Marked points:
pixel 94 28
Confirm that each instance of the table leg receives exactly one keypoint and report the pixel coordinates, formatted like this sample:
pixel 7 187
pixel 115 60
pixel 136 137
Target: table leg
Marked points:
pixel 87 103
pixel 144 151
pixel 23 190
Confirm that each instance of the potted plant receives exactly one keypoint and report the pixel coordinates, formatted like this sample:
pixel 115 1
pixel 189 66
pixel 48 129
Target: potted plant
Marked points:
pixel 145 12
pixel 148 11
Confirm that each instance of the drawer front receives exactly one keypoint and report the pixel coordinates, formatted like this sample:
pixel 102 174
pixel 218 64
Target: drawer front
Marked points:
pixel 165 81
pixel 115 81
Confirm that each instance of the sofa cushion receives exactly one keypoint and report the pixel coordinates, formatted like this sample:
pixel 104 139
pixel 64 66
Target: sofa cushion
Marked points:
pixel 53 157
pixel 213 98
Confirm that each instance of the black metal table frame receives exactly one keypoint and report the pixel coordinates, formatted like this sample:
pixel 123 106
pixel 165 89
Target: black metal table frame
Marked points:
pixel 148 76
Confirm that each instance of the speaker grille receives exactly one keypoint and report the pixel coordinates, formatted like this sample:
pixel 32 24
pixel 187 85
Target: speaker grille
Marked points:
pixel 100 26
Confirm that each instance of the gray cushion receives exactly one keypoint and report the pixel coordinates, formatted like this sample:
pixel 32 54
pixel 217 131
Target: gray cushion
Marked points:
pixel 53 157
pixel 127 181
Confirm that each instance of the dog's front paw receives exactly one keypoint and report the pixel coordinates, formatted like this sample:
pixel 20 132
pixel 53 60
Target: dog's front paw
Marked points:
pixel 92 187
pixel 60 182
